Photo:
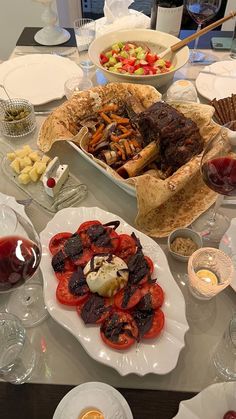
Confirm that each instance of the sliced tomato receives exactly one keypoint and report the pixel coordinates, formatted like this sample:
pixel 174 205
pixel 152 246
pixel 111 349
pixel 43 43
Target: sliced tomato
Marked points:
pixel 64 295
pixel 127 247
pixel 84 226
pixel 119 330
pixel 80 305
pixel 84 258
pixel 57 242
pixel 68 270
pixel 155 294
pixel 157 325
pixel 150 264
pixel 133 295
pixel 113 245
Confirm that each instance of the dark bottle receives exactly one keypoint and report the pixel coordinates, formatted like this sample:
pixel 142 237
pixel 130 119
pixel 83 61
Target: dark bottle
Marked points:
pixel 166 16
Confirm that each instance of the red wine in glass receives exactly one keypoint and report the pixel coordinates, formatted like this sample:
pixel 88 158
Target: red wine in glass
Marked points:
pixel 201 12
pixel 220 175
pixel 19 260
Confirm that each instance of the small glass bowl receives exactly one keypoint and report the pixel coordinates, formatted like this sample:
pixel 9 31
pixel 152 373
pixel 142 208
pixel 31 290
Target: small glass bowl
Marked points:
pixel 76 85
pixel 16 127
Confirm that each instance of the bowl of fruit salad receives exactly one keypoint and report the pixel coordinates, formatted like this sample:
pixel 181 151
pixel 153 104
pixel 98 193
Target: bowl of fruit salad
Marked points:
pixel 132 56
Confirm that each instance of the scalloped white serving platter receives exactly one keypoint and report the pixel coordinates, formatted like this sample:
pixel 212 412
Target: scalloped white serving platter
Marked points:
pixel 158 356
pixel 211 403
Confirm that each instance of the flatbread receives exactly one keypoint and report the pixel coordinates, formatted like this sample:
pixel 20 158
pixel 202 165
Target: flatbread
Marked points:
pixel 163 204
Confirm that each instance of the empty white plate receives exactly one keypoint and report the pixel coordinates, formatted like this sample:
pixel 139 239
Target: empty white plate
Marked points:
pixel 38 78
pixel 220 82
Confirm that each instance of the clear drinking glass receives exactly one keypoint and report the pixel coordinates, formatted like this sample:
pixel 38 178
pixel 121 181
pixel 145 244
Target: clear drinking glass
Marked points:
pixel 20 255
pixel 76 84
pixel 17 356
pixel 201 11
pixel 84 33
pixel 210 271
pixel 233 46
pixel 224 357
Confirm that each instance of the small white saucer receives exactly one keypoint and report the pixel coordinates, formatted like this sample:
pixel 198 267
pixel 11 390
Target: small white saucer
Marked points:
pixel 94 394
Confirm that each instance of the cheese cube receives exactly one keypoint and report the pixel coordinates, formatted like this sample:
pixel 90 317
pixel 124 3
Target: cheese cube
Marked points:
pixel 11 156
pixel 15 165
pixel 34 156
pixel 26 169
pixel 40 167
pixel 27 148
pixel 24 178
pixel 21 153
pixel 33 174
pixel 25 161
pixel 45 159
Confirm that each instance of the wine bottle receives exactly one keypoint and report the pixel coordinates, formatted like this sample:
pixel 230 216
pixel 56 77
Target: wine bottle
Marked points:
pixel 166 16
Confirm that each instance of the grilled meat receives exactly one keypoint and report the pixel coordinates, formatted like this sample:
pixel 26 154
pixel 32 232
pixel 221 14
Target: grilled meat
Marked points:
pixel 179 137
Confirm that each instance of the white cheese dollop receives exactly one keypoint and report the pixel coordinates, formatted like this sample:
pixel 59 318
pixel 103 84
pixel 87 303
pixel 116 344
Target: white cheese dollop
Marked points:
pixel 107 276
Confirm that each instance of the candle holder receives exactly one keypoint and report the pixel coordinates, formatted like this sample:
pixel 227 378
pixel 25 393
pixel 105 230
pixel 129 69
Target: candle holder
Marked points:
pixel 210 271
pixel 51 33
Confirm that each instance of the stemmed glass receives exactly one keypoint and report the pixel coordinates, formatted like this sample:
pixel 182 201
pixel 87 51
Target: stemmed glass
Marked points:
pixel 218 168
pixel 201 11
pixel 20 255
pixel 85 31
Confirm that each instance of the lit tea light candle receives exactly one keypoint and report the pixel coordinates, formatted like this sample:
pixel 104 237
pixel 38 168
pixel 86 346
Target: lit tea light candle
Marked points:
pixel 210 271
pixel 91 414
pixel 207 276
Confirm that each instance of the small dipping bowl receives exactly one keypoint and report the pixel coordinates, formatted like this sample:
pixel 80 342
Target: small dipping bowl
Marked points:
pixel 17 117
pixel 185 233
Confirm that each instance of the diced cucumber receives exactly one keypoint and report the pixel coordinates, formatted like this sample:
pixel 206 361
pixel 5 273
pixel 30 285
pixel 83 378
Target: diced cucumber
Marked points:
pixel 116 47
pixel 113 69
pixel 139 71
pixel 108 54
pixel 132 52
pixel 139 49
pixel 160 63
pixel 124 54
pixel 112 60
pixel 141 55
pixel 120 44
pixel 118 65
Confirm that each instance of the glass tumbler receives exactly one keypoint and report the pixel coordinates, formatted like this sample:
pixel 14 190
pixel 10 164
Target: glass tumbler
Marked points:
pixel 84 33
pixel 210 271
pixel 233 46
pixel 17 356
pixel 224 358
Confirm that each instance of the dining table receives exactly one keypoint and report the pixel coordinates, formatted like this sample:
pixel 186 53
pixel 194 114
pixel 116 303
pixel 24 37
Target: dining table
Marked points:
pixel 65 363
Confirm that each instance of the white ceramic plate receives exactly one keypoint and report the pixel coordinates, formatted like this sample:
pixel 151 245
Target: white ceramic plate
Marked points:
pixel 125 186
pixel 87 395
pixel 213 86
pixel 228 245
pixel 38 78
pixel 211 403
pixel 157 356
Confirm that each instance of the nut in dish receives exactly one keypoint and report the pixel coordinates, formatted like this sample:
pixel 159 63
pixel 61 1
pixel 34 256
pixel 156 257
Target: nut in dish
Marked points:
pixel 166 174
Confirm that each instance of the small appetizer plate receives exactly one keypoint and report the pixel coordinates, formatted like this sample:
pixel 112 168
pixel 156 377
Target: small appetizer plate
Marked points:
pixel 185 233
pixel 211 403
pixel 93 396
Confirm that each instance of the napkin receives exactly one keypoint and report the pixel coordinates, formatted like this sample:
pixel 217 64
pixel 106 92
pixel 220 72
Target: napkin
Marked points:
pixel 117 15
pixel 115 9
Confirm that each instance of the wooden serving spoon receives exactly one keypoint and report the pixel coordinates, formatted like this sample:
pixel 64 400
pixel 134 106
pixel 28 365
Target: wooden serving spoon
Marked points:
pixel 190 38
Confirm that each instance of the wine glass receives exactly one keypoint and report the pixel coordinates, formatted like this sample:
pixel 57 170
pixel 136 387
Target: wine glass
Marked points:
pixel 20 255
pixel 218 168
pixel 201 11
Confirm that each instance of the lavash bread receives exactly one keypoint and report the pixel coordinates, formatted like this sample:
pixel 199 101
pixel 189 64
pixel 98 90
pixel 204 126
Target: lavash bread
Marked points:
pixel 162 204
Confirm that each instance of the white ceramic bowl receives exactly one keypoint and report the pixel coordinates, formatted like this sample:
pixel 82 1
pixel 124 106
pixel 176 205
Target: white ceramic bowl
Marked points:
pixel 157 41
pixel 186 233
